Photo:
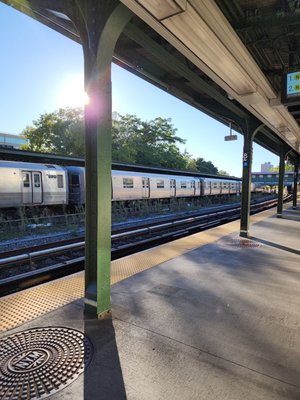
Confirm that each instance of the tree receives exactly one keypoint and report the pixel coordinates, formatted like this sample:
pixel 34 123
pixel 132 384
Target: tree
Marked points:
pixel 190 162
pixel 151 142
pixel 59 132
pixel 223 173
pixel 206 167
pixel 288 168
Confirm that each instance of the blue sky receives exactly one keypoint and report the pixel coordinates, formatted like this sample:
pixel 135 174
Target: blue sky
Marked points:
pixel 40 68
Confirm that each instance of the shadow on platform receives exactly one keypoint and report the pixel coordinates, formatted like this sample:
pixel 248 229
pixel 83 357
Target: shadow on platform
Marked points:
pixel 103 378
pixel 276 245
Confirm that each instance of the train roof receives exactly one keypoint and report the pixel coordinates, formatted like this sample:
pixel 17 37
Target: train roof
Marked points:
pixel 45 158
pixel 168 171
pixel 29 166
pixel 166 175
pixel 124 172
pixel 271 173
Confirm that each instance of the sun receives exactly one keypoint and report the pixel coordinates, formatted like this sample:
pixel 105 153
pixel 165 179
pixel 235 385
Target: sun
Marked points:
pixel 71 93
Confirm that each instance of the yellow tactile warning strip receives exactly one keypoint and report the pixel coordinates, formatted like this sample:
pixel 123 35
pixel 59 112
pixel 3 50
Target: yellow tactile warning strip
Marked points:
pixel 28 304
pixel 21 307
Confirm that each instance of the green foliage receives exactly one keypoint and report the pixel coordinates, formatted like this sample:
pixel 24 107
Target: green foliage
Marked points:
pixel 59 132
pixel 206 167
pixel 288 168
pixel 152 143
pixel 223 173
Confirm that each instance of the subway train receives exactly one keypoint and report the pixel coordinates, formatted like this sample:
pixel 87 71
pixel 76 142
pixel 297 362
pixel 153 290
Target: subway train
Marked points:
pixel 27 184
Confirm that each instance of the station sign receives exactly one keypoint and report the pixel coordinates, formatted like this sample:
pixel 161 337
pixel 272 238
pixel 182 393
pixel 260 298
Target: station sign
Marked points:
pixel 230 137
pixel 290 93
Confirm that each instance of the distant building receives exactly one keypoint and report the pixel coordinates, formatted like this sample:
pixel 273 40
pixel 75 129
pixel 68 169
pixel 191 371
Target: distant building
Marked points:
pixel 10 141
pixel 266 167
pixel 271 178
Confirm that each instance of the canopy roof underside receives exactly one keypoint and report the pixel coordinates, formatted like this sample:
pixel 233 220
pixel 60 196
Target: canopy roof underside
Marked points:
pixel 224 57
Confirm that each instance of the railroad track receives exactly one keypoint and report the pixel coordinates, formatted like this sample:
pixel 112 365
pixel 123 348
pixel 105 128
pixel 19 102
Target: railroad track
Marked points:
pixel 22 269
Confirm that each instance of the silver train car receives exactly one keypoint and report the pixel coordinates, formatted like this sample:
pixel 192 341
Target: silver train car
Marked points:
pixel 137 185
pixel 127 185
pixel 24 184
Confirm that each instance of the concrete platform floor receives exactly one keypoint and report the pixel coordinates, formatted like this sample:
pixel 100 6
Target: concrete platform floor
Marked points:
pixel 218 322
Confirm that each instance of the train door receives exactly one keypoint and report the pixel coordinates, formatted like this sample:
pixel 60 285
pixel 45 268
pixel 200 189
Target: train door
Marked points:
pixel 193 187
pixel 37 197
pixel 146 188
pixel 31 187
pixel 172 187
pixel 74 189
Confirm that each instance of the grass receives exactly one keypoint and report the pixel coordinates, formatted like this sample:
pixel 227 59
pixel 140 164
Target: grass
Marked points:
pixel 38 221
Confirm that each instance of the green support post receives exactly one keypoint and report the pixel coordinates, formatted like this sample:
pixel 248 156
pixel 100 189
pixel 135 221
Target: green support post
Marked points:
pixel 99 24
pixel 250 131
pixel 295 188
pixel 282 156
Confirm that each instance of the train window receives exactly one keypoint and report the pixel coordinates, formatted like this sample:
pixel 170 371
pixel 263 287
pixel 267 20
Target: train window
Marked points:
pixel 183 185
pixel 128 183
pixel 74 179
pixel 37 181
pixel 193 184
pixel 145 183
pixel 26 182
pixel 172 183
pixel 160 184
pixel 60 181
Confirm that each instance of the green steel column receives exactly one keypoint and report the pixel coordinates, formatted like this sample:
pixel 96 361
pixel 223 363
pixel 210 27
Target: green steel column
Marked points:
pixel 246 184
pixel 280 184
pixel 295 188
pixel 249 134
pixel 99 23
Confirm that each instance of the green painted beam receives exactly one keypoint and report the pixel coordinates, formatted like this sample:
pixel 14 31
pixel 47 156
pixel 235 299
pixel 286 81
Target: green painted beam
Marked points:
pixel 280 184
pixel 99 25
pixel 296 179
pixel 169 61
pixel 251 130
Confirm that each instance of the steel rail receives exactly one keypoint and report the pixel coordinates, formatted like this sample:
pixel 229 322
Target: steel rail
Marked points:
pixel 39 254
pixel 30 256
pixel 44 274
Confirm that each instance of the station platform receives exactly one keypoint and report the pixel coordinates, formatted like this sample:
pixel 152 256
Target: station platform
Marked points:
pixel 210 316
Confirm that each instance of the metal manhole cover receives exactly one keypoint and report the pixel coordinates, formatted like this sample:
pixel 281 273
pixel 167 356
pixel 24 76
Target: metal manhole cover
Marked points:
pixel 37 363
pixel 242 243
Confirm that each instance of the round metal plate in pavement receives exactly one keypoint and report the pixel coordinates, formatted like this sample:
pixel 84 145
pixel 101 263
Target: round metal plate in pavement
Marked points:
pixel 240 243
pixel 37 363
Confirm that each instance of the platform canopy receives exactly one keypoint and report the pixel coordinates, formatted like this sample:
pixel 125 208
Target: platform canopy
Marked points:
pixel 226 58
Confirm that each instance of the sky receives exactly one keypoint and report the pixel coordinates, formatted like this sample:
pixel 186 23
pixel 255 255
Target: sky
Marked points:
pixel 41 71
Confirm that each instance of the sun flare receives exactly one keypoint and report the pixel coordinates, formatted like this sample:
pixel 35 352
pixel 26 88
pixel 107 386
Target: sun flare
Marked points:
pixel 72 94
